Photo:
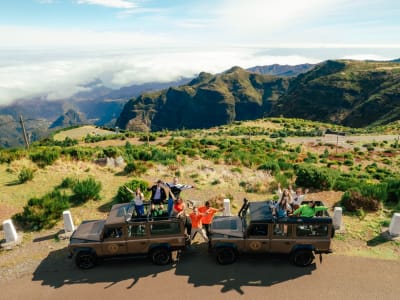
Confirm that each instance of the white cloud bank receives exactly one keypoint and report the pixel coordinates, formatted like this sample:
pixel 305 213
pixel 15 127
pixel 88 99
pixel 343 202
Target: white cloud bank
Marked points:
pixel 60 78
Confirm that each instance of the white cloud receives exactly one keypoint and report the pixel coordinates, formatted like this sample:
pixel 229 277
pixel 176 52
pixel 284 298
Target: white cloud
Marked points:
pixel 64 77
pixel 125 4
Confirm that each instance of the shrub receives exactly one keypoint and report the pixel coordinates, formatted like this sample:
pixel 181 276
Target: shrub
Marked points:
pixel 271 166
pixel 43 212
pixel 393 190
pixel 135 168
pixel 353 200
pixel 68 183
pixel 313 177
pixel 124 196
pixel 88 189
pixel 46 157
pixel 26 174
pixel 9 155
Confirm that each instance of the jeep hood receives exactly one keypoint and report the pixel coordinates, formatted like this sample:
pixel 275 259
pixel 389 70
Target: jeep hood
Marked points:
pixel 89 230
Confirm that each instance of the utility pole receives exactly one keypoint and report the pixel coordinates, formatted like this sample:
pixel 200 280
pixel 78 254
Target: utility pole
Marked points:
pixel 24 132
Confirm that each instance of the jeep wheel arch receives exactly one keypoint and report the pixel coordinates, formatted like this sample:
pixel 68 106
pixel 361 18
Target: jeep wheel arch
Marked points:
pixel 160 256
pixel 85 259
pixel 226 255
pixel 302 257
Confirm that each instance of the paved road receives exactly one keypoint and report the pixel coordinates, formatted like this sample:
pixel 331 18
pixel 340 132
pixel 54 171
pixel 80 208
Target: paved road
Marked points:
pixel 345 141
pixel 197 276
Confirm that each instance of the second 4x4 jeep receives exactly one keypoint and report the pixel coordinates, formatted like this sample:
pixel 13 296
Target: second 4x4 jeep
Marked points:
pixel 121 235
pixel 256 230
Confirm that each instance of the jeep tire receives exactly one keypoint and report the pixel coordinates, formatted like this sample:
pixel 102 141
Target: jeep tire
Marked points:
pixel 160 256
pixel 85 259
pixel 302 257
pixel 226 255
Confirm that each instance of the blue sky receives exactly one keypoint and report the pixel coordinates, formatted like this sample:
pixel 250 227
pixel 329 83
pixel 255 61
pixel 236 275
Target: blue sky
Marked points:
pixel 122 42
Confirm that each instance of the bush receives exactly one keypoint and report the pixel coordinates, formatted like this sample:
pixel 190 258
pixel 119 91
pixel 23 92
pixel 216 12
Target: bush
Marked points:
pixel 310 176
pixel 26 174
pixel 271 166
pixel 68 183
pixel 43 213
pixel 353 200
pixel 46 157
pixel 124 196
pixel 88 189
pixel 393 191
pixel 135 168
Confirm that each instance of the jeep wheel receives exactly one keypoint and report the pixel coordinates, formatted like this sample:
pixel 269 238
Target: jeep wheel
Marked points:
pixel 226 255
pixel 302 258
pixel 161 256
pixel 85 259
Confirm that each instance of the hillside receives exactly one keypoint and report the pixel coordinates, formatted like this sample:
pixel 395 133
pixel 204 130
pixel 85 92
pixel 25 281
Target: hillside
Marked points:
pixel 209 100
pixel 350 93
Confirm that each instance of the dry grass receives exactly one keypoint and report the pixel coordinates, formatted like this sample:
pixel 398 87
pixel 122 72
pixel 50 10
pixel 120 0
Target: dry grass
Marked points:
pixel 81 132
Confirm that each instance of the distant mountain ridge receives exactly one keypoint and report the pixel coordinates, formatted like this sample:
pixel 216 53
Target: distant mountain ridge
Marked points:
pixel 99 106
pixel 208 100
pixel 282 70
pixel 346 92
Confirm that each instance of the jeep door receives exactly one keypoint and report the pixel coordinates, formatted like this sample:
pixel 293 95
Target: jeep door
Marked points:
pixel 138 238
pixel 114 240
pixel 257 238
pixel 282 239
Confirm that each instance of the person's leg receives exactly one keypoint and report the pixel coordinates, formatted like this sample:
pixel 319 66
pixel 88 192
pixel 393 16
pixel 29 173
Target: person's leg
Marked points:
pixel 203 234
pixel 170 206
pixel 193 233
pixel 207 228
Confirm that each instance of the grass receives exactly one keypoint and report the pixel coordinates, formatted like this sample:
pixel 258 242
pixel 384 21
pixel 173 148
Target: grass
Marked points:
pixel 362 237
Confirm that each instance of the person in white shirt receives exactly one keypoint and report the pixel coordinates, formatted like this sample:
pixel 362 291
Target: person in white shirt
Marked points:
pixel 137 199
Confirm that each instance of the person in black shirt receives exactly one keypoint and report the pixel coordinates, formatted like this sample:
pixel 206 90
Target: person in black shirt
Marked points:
pixel 158 194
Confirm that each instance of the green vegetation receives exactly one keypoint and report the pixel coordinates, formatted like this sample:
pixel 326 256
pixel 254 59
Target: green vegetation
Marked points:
pixel 367 177
pixel 43 213
pixel 26 174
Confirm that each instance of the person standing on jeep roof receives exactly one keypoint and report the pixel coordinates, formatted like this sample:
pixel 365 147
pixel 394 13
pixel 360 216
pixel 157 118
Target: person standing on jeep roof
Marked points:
pixel 309 210
pixel 208 212
pixel 158 194
pixel 197 226
pixel 175 189
pixel 297 196
pixel 137 200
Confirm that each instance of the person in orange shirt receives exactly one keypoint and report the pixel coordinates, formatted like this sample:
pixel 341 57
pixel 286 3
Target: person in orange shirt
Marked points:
pixel 197 226
pixel 208 212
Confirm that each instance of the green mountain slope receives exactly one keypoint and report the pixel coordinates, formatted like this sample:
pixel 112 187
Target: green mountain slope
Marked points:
pixel 208 100
pixel 350 93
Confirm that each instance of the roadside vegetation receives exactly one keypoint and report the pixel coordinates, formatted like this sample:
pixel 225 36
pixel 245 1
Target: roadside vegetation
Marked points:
pixel 366 173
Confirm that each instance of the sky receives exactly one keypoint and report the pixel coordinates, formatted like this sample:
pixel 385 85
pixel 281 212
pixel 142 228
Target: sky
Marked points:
pixel 55 48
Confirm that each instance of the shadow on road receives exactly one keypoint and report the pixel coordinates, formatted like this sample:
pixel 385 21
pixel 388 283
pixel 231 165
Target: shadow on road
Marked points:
pixel 57 270
pixel 200 268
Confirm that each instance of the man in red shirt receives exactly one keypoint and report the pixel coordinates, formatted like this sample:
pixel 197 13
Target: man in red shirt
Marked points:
pixel 197 226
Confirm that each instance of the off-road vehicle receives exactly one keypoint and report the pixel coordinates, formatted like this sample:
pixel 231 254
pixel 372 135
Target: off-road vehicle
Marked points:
pixel 122 235
pixel 256 230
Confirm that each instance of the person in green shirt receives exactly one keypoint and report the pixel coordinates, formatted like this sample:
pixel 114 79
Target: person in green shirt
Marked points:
pixel 308 210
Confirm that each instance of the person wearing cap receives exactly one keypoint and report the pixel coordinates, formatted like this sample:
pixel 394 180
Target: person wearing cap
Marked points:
pixel 158 194
pixel 309 210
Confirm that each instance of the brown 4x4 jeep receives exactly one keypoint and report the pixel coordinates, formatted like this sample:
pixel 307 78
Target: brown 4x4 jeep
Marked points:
pixel 123 235
pixel 256 230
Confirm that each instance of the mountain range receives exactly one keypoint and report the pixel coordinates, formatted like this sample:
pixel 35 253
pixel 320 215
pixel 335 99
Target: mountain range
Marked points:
pixel 346 92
